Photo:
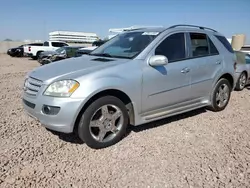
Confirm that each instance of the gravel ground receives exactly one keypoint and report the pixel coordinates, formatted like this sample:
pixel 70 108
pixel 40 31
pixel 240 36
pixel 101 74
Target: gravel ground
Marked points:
pixel 197 149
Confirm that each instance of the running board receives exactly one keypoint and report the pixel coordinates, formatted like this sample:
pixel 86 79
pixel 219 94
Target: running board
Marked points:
pixel 175 111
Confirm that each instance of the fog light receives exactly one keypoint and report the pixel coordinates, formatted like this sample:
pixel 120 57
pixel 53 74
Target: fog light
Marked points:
pixel 50 110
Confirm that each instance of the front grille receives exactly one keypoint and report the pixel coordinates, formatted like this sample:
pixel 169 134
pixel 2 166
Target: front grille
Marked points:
pixel 32 86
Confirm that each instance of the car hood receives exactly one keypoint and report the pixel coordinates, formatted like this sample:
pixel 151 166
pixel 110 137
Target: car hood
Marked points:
pixel 73 68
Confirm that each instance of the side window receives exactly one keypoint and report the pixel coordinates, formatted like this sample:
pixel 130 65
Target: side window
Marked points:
pixel 245 48
pixel 247 59
pixel 213 49
pixel 225 42
pixel 173 47
pixel 46 44
pixel 199 44
pixel 58 44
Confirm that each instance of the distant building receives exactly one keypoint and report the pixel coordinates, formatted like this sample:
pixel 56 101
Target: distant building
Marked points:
pixel 27 40
pixel 73 37
pixel 116 31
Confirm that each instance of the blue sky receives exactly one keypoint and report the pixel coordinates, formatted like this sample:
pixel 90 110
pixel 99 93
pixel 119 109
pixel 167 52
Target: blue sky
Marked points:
pixel 34 19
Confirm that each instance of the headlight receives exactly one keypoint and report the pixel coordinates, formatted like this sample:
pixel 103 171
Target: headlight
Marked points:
pixel 63 88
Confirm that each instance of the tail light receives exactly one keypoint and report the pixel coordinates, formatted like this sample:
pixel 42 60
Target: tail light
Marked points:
pixel 29 48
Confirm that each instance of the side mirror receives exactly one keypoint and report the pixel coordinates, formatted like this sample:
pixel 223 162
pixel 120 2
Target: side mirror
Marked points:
pixel 158 60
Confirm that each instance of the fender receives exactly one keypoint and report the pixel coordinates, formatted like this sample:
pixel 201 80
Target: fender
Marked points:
pixel 90 87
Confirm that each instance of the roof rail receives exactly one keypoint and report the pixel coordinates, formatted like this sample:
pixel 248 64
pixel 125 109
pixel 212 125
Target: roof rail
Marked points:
pixel 131 28
pixel 185 25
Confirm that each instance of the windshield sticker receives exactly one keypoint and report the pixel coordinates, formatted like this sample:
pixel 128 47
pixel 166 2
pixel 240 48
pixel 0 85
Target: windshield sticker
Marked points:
pixel 150 33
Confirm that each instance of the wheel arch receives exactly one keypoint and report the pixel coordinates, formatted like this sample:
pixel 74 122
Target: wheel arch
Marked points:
pixel 229 77
pixel 245 71
pixel 40 51
pixel 109 92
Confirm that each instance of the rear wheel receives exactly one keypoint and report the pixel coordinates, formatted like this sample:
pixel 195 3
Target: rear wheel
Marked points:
pixel 241 83
pixel 104 122
pixel 38 54
pixel 220 95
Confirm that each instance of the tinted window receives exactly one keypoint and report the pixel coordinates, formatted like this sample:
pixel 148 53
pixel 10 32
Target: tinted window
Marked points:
pixel 98 43
pixel 173 47
pixel 245 48
pixel 247 59
pixel 225 42
pixel 46 44
pixel 36 44
pixel 199 44
pixel 126 45
pixel 58 44
pixel 213 49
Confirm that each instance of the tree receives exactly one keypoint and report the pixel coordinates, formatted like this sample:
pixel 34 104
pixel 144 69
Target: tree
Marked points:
pixel 7 40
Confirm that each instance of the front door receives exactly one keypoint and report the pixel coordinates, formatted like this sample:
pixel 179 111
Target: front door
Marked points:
pixel 168 85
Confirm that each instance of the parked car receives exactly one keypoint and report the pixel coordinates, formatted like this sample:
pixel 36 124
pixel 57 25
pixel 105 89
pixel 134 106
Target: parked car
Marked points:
pixel 59 54
pixel 34 51
pixel 246 49
pixel 139 76
pixel 242 70
pixel 85 50
pixel 99 42
pixel 18 51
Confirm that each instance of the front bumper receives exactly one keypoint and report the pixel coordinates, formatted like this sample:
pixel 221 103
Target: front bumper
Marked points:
pixel 62 120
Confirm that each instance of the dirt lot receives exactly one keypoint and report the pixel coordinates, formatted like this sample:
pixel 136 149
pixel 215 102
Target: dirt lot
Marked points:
pixel 197 149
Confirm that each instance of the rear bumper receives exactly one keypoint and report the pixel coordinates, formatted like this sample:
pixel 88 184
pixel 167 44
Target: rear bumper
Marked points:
pixel 10 53
pixel 29 54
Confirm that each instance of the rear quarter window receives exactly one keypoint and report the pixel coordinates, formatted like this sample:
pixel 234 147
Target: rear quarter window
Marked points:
pixel 225 43
pixel 46 44
pixel 58 44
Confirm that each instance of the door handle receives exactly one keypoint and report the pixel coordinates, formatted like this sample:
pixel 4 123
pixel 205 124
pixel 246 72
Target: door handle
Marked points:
pixel 218 62
pixel 185 70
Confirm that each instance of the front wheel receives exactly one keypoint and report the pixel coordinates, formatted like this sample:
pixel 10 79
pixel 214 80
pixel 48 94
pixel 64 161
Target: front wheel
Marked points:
pixel 241 83
pixel 103 123
pixel 220 95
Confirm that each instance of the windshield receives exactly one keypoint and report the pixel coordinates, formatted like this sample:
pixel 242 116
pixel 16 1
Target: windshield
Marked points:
pixel 125 45
pixel 60 50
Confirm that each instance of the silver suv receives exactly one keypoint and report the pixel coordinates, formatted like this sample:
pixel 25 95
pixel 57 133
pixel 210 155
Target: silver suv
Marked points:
pixel 137 77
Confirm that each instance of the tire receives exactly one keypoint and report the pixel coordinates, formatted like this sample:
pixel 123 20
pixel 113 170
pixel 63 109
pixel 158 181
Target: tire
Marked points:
pixel 214 100
pixel 37 54
pixel 241 83
pixel 96 110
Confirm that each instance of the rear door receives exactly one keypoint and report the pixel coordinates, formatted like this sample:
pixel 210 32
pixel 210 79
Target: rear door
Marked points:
pixel 206 64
